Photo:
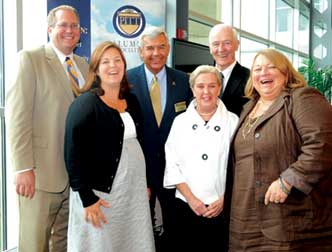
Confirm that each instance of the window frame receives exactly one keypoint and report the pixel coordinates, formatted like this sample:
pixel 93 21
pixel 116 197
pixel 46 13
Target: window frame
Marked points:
pixel 3 175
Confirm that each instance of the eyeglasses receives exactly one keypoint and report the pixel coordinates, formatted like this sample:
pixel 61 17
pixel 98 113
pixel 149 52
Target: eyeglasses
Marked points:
pixel 65 26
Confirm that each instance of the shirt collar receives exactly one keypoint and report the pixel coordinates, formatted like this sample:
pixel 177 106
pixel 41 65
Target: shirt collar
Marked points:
pixel 227 71
pixel 61 56
pixel 150 75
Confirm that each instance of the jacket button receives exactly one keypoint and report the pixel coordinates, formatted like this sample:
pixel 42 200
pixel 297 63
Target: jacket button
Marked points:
pixel 117 160
pixel 109 188
pixel 216 128
pixel 194 126
pixel 204 156
pixel 257 135
pixel 258 183
pixel 120 142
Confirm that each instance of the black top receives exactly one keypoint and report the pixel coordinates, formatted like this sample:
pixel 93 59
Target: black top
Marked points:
pixel 93 143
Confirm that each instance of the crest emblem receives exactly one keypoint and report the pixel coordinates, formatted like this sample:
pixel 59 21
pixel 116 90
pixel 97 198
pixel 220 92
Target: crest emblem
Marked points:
pixel 129 21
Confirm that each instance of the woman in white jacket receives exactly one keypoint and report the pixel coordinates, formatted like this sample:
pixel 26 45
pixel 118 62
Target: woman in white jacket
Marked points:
pixel 196 159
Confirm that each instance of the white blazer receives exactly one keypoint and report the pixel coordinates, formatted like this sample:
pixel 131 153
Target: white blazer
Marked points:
pixel 197 152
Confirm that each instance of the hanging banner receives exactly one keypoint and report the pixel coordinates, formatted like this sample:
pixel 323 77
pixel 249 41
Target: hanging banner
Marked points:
pixel 119 21
pixel 123 21
pixel 83 7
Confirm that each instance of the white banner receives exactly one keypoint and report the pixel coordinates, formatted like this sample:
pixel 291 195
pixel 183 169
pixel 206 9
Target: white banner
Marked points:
pixel 123 21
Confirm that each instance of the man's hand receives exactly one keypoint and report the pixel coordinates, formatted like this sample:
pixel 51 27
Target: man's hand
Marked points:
pixel 25 183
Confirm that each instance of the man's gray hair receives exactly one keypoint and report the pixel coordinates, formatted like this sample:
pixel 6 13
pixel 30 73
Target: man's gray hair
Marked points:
pixel 152 32
pixel 51 18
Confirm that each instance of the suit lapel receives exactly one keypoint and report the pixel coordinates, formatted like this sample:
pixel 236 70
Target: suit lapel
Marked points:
pixel 171 85
pixel 233 81
pixel 58 70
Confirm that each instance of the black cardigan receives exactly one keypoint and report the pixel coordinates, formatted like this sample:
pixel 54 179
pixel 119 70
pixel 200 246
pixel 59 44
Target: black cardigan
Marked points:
pixel 93 143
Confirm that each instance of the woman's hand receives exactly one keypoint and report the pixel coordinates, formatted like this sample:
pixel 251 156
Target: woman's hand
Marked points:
pixel 275 194
pixel 197 206
pixel 215 208
pixel 94 214
pixel 148 191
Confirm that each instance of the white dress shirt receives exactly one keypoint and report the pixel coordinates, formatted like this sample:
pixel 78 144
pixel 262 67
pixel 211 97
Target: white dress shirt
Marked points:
pixel 227 73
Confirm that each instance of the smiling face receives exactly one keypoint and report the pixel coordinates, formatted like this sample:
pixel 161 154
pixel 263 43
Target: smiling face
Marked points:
pixel 111 68
pixel 206 90
pixel 223 45
pixel 268 80
pixel 154 52
pixel 65 33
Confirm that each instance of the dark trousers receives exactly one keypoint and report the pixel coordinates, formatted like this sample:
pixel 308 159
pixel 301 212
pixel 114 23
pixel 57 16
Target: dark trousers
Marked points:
pixel 166 199
pixel 197 233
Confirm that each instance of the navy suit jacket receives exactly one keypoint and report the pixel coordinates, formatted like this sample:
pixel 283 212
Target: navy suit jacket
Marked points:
pixel 154 137
pixel 233 96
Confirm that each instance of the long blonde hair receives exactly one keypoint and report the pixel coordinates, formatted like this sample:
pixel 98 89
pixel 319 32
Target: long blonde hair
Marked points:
pixel 293 78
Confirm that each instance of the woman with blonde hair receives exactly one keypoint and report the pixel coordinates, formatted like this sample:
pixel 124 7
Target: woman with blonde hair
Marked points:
pixel 281 167
pixel 196 160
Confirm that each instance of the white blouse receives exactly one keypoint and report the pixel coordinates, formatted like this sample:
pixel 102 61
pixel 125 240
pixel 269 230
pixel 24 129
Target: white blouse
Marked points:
pixel 129 126
pixel 197 152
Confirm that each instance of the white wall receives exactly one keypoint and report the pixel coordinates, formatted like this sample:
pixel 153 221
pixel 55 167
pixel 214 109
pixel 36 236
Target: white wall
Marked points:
pixel 25 27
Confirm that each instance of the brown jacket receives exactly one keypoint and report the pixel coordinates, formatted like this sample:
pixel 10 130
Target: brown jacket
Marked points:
pixel 293 140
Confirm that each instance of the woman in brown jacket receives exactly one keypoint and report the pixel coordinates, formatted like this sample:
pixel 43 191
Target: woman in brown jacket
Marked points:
pixel 281 173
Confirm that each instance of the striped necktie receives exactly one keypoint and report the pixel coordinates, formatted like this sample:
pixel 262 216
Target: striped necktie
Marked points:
pixel 156 99
pixel 73 77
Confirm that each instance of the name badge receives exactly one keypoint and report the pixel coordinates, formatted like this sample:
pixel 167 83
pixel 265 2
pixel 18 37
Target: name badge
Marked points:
pixel 180 106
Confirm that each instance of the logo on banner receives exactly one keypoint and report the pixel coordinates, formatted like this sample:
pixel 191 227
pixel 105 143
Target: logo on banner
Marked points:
pixel 129 21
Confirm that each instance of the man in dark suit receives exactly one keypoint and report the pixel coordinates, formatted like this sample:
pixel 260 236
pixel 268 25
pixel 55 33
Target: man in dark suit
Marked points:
pixel 223 43
pixel 175 95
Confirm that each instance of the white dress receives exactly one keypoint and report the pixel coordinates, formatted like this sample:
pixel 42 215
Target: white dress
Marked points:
pixel 129 227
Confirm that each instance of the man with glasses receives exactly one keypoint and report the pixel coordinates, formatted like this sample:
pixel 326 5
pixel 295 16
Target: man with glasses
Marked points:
pixel 223 43
pixel 37 105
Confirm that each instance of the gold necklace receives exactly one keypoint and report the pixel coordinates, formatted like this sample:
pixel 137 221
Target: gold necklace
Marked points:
pixel 251 121
pixel 249 124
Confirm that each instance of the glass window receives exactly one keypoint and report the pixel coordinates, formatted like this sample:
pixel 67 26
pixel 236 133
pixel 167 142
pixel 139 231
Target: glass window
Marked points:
pixel 320 5
pixel 207 8
pixel 254 16
pixel 198 33
pixel 303 40
pixel 2 139
pixel 284 23
pixel 248 49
